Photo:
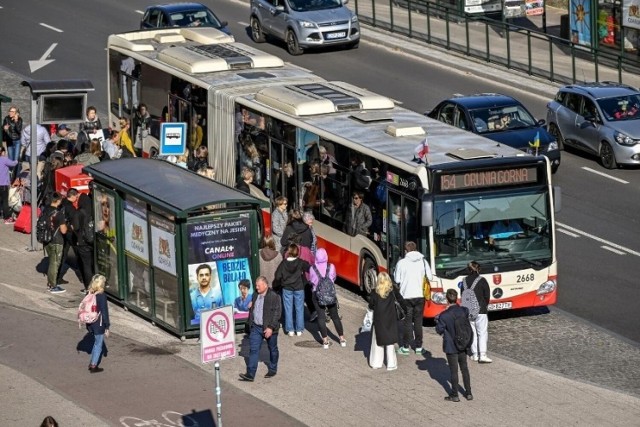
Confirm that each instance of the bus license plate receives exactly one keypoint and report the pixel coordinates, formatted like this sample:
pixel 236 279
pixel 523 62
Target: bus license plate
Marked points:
pixel 499 306
pixel 340 35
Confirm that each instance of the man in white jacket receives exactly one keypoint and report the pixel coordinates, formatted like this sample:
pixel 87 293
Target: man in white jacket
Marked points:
pixel 409 273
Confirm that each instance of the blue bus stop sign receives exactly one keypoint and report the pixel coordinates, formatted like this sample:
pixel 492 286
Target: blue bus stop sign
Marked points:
pixel 173 139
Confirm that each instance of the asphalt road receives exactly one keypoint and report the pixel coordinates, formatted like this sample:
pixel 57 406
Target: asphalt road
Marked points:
pixel 599 232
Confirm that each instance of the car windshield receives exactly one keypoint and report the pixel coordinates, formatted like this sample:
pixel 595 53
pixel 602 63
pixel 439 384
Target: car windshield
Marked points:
pixel 308 5
pixel 195 18
pixel 620 108
pixel 501 118
pixel 503 230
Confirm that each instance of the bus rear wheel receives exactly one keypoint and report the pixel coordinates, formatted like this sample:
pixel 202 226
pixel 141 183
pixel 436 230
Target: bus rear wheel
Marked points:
pixel 368 277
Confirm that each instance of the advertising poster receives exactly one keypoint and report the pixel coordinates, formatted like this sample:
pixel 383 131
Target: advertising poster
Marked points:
pixel 631 13
pixel 580 21
pixel 106 243
pixel 163 244
pixel 218 255
pixel 136 241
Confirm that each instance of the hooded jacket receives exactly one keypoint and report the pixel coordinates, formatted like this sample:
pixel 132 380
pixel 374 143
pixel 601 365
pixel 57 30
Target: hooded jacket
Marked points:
pixel 296 232
pixel 409 273
pixel 269 261
pixel 289 274
pixel 322 260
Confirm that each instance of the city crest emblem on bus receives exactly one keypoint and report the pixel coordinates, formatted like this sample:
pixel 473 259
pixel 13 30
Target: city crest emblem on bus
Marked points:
pixel 497 279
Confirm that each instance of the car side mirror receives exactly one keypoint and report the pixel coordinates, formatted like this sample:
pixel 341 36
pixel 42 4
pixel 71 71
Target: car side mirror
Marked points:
pixel 280 8
pixel 541 122
pixel 224 24
pixel 591 118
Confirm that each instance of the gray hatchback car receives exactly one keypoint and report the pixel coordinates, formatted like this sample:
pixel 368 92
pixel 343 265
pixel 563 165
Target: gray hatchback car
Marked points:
pixel 304 24
pixel 601 118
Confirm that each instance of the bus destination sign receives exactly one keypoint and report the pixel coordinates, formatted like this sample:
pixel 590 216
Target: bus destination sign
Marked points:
pixel 487 179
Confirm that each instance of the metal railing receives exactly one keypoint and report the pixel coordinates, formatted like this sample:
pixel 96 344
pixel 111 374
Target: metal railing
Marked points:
pixel 514 47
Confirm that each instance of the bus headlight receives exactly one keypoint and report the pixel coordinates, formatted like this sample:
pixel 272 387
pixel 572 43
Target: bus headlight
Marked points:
pixel 547 287
pixel 439 298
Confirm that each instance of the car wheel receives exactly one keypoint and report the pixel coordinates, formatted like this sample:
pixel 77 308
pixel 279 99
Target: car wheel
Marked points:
pixel 369 277
pixel 293 47
pixel 256 31
pixel 553 130
pixel 607 157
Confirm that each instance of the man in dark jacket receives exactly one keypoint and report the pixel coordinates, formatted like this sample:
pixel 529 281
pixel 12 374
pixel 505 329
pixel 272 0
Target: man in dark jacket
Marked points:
pixel 82 223
pixel 264 321
pixel 445 326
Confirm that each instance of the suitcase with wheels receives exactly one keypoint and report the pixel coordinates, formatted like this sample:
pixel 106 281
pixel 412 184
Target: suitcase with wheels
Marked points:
pixel 23 222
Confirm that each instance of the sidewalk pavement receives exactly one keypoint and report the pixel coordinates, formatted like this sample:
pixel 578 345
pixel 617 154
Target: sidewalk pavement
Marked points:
pixel 317 387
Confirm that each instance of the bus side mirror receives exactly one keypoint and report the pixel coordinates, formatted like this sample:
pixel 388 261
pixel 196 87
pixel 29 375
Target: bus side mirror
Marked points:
pixel 427 213
pixel 557 198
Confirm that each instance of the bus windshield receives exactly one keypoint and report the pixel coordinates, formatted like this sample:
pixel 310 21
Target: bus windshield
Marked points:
pixel 504 231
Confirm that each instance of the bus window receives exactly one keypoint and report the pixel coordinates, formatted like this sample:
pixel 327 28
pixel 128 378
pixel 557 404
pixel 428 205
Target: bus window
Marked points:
pixel 394 238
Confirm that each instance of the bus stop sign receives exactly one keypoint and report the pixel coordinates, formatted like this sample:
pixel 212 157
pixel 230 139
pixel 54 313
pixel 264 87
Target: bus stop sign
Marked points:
pixel 217 334
pixel 173 139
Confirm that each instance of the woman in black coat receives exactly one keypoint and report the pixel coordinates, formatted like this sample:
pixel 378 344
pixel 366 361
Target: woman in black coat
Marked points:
pixel 384 335
pixel 296 231
pixel 99 328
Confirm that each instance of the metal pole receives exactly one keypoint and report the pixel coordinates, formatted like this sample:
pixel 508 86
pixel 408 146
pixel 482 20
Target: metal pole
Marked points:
pixel 34 172
pixel 218 401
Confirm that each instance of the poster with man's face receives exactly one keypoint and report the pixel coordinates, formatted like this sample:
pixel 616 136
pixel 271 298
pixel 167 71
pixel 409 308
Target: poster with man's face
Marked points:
pixel 225 246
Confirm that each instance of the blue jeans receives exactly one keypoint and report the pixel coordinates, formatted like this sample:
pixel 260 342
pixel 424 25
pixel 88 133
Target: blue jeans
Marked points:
pixel 256 335
pixel 96 353
pixel 13 153
pixel 293 301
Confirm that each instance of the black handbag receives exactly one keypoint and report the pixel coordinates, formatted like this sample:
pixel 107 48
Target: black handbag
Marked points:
pixel 400 314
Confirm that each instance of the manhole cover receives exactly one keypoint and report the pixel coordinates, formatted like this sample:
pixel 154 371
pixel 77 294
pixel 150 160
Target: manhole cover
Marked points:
pixel 66 302
pixel 308 344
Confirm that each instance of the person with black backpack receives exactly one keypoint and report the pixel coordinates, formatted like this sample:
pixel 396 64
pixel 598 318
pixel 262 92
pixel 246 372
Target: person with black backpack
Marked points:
pixel 84 230
pixel 322 276
pixel 52 218
pixel 475 296
pixel 453 325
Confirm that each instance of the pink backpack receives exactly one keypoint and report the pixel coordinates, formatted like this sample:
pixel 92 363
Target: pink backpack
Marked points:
pixel 88 310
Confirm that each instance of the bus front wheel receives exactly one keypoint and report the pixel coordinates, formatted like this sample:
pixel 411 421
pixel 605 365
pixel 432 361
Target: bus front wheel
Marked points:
pixel 369 277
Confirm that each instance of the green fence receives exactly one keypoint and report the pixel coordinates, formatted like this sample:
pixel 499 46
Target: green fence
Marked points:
pixel 514 47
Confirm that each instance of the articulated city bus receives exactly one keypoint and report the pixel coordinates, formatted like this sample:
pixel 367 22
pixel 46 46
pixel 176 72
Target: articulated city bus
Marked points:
pixel 321 144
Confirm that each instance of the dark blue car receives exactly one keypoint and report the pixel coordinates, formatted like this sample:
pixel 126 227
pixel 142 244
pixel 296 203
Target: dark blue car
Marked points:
pixel 502 119
pixel 181 15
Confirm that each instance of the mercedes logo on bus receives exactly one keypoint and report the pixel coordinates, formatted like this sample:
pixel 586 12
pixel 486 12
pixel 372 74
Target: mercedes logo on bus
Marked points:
pixel 497 293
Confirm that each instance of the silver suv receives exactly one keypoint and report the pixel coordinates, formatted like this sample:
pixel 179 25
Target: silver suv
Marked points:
pixel 601 118
pixel 304 24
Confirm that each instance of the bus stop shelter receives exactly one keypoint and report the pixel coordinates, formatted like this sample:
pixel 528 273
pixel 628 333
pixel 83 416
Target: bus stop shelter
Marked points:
pixel 160 229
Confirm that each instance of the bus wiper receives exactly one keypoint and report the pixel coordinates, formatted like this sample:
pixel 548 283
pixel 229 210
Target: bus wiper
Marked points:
pixel 533 262
pixel 450 274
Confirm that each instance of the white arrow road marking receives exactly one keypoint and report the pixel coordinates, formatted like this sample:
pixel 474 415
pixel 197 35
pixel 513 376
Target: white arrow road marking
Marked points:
pixel 615 251
pixel 39 63
pixel 51 28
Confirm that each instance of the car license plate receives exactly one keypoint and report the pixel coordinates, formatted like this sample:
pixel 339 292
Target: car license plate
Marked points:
pixel 499 306
pixel 339 35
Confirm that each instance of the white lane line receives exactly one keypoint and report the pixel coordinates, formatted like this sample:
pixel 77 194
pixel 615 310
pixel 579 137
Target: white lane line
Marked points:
pixel 605 175
pixel 600 240
pixel 8 250
pixel 246 24
pixel 568 233
pixel 51 28
pixel 141 12
pixel 615 251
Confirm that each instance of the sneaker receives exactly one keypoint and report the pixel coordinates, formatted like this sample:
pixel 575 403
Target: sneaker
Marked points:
pixel 419 350
pixel 246 377
pixel 469 396
pixel 291 333
pixel 9 221
pixel 95 369
pixel 452 399
pixel 299 333
pixel 270 374
pixel 314 317
pixel 57 290
pixel 403 351
pixel 484 359
pixel 474 357
pixel 343 343
pixel 326 344
pixel 392 368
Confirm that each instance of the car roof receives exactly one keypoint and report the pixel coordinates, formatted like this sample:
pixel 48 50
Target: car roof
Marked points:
pixel 601 89
pixel 176 7
pixel 484 100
